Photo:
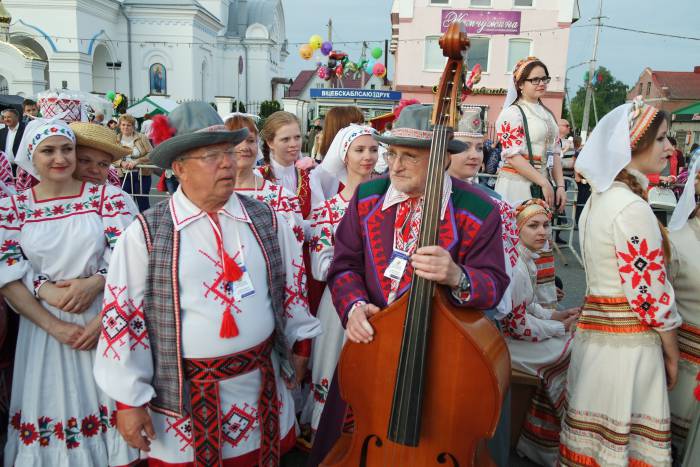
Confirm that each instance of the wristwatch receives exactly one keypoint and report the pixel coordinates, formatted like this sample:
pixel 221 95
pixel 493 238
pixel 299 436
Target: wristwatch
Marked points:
pixel 464 285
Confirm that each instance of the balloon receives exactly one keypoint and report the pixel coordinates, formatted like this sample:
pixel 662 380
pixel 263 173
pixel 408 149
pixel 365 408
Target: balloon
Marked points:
pixel 352 67
pixel 117 100
pixel 369 66
pixel 376 52
pixel 326 48
pixel 306 51
pixel 323 72
pixel 332 63
pixel 379 70
pixel 315 41
pixel 345 60
pixel 339 71
pixel 110 96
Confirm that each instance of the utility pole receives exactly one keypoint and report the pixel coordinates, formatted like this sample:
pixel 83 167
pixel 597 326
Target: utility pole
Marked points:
pixel 330 30
pixel 591 70
pixel 567 100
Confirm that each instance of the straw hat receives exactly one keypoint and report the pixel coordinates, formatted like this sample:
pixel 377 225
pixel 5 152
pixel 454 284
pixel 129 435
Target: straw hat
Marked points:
pixel 99 137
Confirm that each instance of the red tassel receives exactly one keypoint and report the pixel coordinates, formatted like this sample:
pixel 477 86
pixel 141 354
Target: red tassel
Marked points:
pixel 229 329
pixel 232 272
pixel 697 393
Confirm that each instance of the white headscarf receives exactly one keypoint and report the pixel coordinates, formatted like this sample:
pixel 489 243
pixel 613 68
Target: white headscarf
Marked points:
pixel 686 203
pixel 512 94
pixel 607 150
pixel 325 179
pixel 35 133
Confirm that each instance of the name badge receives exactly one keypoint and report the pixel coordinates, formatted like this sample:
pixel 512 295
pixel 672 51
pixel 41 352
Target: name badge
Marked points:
pixel 243 287
pixel 397 265
pixel 550 159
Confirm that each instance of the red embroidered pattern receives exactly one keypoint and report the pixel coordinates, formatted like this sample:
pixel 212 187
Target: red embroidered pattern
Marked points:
pixel 181 429
pixel 123 323
pixel 510 136
pixel 640 262
pixel 46 428
pixel 237 424
pixel 10 252
pixel 325 218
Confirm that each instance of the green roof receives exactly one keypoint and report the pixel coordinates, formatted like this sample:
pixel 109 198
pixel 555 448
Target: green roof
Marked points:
pixel 692 109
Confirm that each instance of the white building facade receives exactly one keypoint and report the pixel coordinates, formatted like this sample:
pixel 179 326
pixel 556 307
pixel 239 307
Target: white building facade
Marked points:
pixel 183 49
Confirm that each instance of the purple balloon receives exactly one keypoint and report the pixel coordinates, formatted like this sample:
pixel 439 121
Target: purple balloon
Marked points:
pixel 326 47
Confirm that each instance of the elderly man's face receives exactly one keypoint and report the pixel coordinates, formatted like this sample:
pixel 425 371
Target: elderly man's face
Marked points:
pixel 10 119
pixel 208 173
pixel 408 169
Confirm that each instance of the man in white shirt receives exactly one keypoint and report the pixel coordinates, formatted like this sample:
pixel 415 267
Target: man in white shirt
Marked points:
pixel 11 135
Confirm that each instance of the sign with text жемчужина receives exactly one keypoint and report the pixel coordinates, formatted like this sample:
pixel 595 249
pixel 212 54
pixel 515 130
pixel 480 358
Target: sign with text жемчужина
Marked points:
pixel 483 21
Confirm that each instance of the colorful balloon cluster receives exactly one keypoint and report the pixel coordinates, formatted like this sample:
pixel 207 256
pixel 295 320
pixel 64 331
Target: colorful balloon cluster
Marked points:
pixel 338 63
pixel 118 101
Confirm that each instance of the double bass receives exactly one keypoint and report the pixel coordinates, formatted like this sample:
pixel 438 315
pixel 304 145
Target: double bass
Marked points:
pixel 429 387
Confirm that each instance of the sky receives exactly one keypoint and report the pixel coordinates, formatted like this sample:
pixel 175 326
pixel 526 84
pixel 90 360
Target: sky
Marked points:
pixel 626 54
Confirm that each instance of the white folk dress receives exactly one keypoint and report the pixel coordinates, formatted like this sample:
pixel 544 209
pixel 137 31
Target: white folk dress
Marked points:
pixel 510 131
pixel 281 201
pixel 59 416
pixel 617 409
pixel 685 277
pixel 514 188
pixel 539 346
pixel 326 349
pixel 124 365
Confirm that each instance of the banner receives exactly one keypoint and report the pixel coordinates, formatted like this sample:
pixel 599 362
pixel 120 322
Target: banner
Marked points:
pixel 343 93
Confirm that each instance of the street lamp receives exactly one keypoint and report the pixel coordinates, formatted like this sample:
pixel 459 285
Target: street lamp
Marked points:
pixel 114 66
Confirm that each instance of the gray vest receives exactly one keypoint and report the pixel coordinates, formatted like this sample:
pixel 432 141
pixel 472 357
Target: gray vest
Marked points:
pixel 162 304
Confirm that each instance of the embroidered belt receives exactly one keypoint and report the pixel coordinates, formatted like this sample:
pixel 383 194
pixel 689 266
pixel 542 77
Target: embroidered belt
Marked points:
pixel 610 315
pixel 508 168
pixel 689 342
pixel 204 376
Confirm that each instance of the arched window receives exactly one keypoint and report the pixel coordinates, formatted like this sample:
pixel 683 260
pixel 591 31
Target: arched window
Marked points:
pixel 158 79
pixel 4 86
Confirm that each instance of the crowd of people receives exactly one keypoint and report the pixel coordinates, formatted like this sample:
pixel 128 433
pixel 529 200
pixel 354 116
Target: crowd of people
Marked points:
pixel 207 329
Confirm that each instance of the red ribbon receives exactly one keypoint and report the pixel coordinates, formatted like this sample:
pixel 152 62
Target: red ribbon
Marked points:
pixel 232 273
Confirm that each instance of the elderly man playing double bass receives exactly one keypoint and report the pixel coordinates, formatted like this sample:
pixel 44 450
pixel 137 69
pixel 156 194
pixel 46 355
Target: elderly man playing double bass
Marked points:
pixel 204 299
pixel 376 249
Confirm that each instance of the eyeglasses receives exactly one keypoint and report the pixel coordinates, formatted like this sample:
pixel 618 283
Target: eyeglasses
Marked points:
pixel 539 80
pixel 409 159
pixel 214 158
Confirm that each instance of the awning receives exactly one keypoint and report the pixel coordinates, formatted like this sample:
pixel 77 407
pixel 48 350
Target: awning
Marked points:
pixel 152 105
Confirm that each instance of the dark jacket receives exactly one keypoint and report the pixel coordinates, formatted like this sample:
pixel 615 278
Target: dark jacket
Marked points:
pixel 18 138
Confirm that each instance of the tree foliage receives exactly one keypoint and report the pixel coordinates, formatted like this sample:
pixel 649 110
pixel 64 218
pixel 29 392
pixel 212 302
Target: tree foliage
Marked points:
pixel 608 93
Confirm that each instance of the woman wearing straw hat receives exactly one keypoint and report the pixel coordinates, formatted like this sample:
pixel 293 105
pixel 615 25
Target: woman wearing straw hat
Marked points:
pixel 684 272
pixel 60 231
pixel 96 151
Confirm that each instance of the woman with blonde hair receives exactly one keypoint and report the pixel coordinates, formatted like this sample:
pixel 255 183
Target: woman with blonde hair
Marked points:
pixel 135 181
pixel 625 353
pixel 56 242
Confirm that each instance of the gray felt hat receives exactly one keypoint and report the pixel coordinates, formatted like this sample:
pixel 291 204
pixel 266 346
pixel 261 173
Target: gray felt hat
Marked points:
pixel 413 129
pixel 196 125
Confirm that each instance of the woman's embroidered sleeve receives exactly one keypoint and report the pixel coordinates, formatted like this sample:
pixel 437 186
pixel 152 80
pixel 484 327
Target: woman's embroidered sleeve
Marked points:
pixel 13 265
pixel 117 214
pixel 510 132
pixel 322 243
pixel 6 176
pixel 289 206
pixel 300 324
pixel 123 361
pixel 509 235
pixel 642 267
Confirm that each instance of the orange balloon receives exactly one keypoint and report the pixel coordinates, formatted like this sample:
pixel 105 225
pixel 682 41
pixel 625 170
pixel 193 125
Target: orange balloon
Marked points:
pixel 306 51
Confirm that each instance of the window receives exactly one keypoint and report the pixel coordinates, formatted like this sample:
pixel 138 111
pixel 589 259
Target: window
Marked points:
pixel 480 2
pixel 434 60
pixel 522 2
pixel 641 88
pixel 518 49
pixel 648 87
pixel 478 53
pixel 439 2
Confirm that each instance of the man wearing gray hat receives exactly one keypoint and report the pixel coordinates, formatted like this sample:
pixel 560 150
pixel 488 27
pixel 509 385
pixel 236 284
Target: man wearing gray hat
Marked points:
pixel 204 301
pixel 377 253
